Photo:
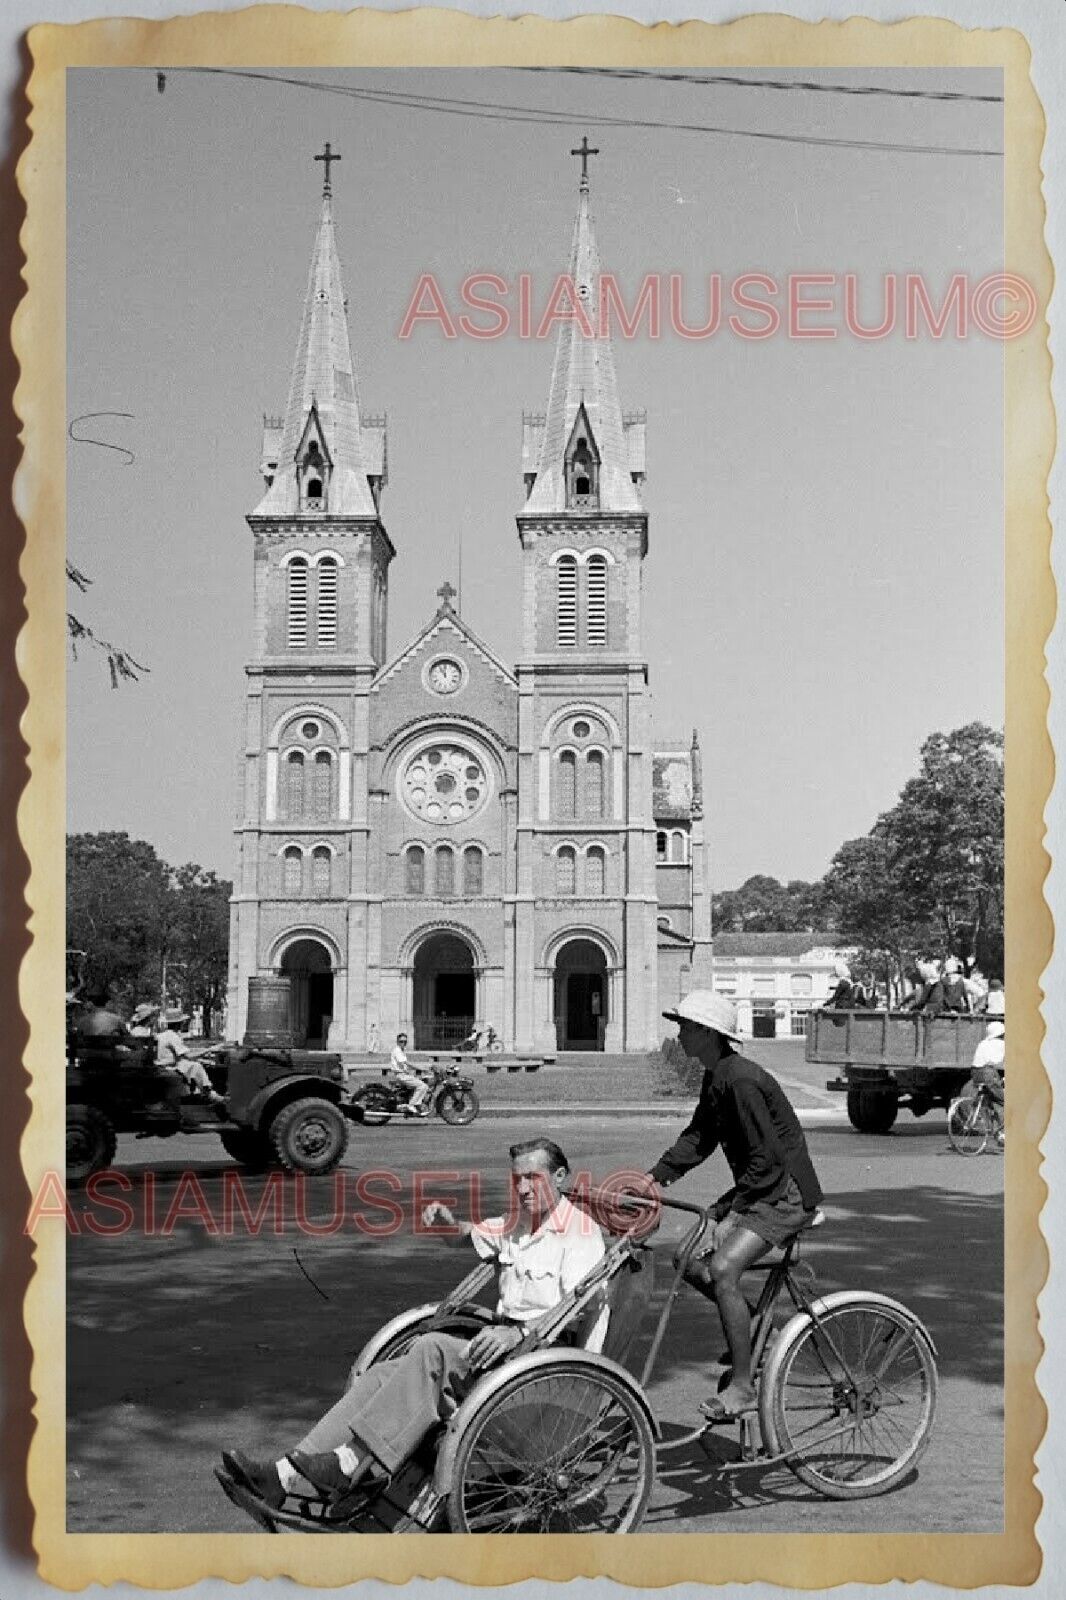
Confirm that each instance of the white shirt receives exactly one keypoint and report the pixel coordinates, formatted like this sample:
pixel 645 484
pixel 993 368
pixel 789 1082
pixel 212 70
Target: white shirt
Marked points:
pixel 398 1059
pixel 990 1053
pixel 538 1269
pixel 997 1003
pixel 169 1048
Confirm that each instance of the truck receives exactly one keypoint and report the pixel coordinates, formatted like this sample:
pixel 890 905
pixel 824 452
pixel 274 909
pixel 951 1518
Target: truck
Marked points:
pixel 889 1059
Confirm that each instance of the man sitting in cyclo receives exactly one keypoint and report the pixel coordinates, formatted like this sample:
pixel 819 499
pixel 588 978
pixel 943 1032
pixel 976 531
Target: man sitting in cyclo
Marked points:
pixel 543 1251
pixel 775 1194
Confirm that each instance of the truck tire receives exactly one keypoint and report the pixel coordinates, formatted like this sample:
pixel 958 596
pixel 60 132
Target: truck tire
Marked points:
pixel 309 1136
pixel 91 1142
pixel 872 1110
pixel 252 1150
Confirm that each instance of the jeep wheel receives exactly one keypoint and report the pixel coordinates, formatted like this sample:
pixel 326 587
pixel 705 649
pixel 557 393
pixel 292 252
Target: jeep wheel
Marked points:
pixel 309 1136
pixel 253 1150
pixel 91 1143
pixel 872 1110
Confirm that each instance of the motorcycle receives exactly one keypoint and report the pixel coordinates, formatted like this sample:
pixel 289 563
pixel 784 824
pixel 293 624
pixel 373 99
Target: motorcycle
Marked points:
pixel 482 1040
pixel 451 1096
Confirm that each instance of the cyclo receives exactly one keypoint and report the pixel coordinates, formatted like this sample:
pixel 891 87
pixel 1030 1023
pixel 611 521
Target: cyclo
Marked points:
pixel 559 1439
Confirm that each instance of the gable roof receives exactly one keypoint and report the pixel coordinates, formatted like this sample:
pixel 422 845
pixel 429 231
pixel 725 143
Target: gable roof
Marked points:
pixel 445 621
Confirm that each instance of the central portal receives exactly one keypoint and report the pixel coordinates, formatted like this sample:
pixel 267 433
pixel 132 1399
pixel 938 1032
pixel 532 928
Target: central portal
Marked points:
pixel 309 964
pixel 445 997
pixel 580 996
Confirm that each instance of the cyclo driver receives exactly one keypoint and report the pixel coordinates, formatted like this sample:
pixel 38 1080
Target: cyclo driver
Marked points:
pixel 775 1190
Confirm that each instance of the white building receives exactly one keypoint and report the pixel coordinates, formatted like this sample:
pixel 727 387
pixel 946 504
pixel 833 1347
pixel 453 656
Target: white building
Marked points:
pixel 776 979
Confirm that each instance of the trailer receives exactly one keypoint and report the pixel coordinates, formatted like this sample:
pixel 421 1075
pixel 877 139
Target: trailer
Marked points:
pixel 888 1059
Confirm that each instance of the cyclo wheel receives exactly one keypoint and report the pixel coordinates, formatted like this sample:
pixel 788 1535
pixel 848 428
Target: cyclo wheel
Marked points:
pixel 969 1125
pixel 853 1395
pixel 457 1106
pixel 564 1449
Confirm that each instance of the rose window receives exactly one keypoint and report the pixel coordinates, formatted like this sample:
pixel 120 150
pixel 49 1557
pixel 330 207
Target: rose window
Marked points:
pixel 444 784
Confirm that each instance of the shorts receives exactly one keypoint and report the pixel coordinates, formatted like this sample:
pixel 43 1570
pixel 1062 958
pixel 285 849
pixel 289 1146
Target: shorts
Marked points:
pixel 774 1220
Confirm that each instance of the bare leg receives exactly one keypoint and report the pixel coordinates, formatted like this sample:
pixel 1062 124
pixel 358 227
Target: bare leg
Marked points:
pixel 740 1249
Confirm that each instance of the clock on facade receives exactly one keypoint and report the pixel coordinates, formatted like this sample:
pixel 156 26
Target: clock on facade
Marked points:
pixel 445 676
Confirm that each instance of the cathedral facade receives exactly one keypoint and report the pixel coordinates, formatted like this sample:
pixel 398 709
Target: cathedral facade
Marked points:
pixel 433 838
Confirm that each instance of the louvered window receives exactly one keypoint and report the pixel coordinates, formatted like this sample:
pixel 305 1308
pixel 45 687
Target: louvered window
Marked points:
pixel 327 605
pixel 594 871
pixel 566 614
pixel 323 785
pixel 473 871
pixel 321 862
pixel 444 863
pixel 415 870
pixel 567 784
pixel 293 865
pixel 597 601
pixel 294 769
pixel 297 604
pixel 565 870
pixel 594 785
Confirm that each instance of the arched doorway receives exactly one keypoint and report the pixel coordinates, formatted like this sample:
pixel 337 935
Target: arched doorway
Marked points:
pixel 445 997
pixel 308 963
pixel 580 996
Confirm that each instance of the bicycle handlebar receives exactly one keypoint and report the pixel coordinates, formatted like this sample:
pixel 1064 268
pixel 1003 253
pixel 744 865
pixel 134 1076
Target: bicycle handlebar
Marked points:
pixel 704 1215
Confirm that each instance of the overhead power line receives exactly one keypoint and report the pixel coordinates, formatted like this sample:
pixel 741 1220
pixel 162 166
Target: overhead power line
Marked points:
pixel 500 111
pixel 812 85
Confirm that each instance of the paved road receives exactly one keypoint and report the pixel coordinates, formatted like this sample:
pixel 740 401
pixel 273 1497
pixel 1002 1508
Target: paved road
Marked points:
pixel 182 1340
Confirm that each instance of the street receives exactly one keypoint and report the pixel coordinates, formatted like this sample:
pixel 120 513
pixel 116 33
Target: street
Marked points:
pixel 182 1340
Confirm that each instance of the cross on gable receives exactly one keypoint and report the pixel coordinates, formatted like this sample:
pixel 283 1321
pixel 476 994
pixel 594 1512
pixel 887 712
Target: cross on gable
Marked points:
pixel 328 157
pixel 446 593
pixel 584 150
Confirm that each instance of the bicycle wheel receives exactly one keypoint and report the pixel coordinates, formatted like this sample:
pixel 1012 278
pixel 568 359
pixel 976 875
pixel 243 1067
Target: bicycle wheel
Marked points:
pixel 568 1449
pixel 969 1125
pixel 853 1395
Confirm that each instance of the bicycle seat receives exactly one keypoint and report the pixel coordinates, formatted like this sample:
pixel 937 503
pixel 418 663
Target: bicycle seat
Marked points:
pixel 818 1218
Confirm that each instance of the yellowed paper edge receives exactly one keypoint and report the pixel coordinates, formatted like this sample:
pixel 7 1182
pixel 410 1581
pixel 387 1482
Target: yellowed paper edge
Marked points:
pixel 280 36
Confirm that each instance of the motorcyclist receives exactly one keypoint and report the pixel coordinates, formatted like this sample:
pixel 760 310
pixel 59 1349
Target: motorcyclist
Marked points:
pixel 403 1072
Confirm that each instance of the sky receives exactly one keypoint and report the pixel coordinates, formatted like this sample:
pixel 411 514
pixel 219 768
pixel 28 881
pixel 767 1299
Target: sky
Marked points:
pixel 823 586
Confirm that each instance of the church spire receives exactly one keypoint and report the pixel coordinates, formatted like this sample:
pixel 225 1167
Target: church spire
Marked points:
pixel 584 410
pixel 322 420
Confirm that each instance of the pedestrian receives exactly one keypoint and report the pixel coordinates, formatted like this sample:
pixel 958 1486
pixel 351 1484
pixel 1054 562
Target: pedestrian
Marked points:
pixel 775 1190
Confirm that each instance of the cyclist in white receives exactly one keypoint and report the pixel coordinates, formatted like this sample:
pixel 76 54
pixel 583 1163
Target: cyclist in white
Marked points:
pixel 403 1072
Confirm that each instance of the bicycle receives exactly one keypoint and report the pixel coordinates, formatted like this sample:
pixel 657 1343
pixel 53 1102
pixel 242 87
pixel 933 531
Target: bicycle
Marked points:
pixel 974 1121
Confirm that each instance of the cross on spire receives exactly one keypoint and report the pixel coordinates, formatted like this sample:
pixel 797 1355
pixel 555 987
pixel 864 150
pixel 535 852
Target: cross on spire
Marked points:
pixel 328 157
pixel 584 151
pixel 446 593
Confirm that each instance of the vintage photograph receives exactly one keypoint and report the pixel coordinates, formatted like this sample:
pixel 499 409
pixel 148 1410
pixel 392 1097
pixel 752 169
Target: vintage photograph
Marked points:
pixel 536 968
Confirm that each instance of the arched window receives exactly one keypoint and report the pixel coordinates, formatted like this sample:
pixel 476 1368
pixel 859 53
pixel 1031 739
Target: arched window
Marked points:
pixel 566 601
pixel 677 845
pixel 327 594
pixel 444 864
pixel 596 617
pixel 473 871
pixel 565 870
pixel 415 870
pixel 594 784
pixel 297 603
pixel 294 786
pixel 293 869
pixel 321 869
pixel 595 863
pixel 660 847
pixel 323 784
pixel 567 784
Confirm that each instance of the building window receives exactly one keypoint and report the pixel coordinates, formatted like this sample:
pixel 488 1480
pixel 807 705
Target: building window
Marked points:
pixel 596 628
pixel 660 847
pixel 297 603
pixel 323 784
pixel 663 922
pixel 294 784
pixel 677 846
pixel 594 784
pixel 473 871
pixel 444 783
pixel 594 870
pixel 764 986
pixel 565 870
pixel 567 784
pixel 293 869
pixel 327 603
pixel 321 863
pixel 415 870
pixel 798 1025
pixel 566 600
pixel 725 986
pixel 444 864
pixel 802 983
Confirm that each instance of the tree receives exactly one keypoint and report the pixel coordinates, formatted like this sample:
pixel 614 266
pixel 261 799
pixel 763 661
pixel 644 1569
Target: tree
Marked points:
pixel 763 905
pixel 117 913
pixel 200 939
pixel 120 663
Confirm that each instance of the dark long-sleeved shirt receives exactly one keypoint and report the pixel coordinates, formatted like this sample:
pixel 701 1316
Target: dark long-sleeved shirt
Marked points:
pixel 744 1109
